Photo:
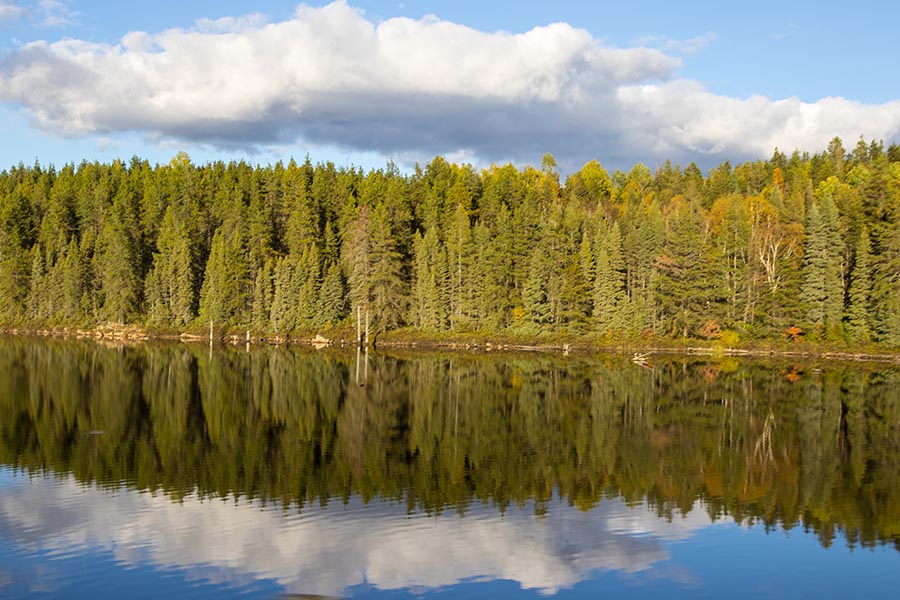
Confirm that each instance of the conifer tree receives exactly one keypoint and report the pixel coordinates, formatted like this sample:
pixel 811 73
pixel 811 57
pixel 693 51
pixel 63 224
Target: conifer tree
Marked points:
pixel 117 265
pixel 357 261
pixel 387 291
pixel 535 294
pixel 858 306
pixel 16 234
pixel 331 295
pixel 306 282
pixel 223 296
pixel 170 284
pixel 685 283
pixel 263 294
pixel 610 300
pixel 284 296
pixel 68 277
pixel 459 255
pixel 821 292
pixel 430 298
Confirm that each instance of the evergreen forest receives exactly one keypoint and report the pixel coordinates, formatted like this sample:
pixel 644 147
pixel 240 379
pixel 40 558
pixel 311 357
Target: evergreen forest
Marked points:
pixel 800 246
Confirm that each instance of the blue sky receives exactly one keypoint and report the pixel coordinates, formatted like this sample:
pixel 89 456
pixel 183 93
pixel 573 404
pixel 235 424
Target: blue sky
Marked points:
pixel 363 82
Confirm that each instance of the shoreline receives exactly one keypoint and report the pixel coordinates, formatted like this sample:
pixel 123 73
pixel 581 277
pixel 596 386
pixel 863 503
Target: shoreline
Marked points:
pixel 475 342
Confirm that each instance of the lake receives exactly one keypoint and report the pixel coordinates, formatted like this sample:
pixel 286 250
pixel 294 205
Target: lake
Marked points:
pixel 184 471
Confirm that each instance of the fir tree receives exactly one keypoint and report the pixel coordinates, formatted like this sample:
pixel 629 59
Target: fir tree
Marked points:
pixel 170 284
pixel 223 296
pixel 331 295
pixel 858 307
pixel 610 300
pixel 821 292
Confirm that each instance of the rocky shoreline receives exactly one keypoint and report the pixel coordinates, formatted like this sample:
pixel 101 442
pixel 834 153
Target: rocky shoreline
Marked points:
pixel 345 337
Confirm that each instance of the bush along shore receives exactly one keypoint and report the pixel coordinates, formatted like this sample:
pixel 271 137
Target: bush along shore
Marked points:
pixel 793 252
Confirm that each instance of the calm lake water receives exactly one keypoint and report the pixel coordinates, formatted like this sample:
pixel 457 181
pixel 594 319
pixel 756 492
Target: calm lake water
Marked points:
pixel 173 470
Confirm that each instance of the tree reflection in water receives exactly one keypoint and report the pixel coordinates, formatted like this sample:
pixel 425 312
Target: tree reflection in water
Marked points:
pixel 774 442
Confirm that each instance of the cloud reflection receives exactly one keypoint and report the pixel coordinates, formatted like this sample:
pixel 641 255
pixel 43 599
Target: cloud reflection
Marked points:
pixel 326 551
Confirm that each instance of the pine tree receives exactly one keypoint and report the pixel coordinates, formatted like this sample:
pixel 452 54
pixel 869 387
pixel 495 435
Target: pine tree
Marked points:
pixel 357 261
pixel 430 296
pixel 263 292
pixel 223 296
pixel 70 272
pixel 610 300
pixel 39 285
pixel 860 290
pixel 169 288
pixel 306 282
pixel 387 291
pixel 117 264
pixel 685 284
pixel 535 296
pixel 821 292
pixel 642 238
pixel 16 235
pixel 459 255
pixel 331 295
pixel 885 297
pixel 284 296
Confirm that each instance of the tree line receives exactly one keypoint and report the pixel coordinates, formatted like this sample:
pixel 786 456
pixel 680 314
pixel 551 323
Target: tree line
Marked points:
pixel 774 443
pixel 800 245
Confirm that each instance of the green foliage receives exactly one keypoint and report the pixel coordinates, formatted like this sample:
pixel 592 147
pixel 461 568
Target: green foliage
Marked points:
pixel 685 285
pixel 822 290
pixel 223 296
pixel 757 247
pixel 860 292
pixel 169 288
pixel 610 299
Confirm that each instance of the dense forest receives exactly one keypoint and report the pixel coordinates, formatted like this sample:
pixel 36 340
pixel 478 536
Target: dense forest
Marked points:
pixel 772 442
pixel 800 246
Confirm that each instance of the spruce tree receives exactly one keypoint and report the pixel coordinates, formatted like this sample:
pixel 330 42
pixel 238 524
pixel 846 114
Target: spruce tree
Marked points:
pixel 459 256
pixel 170 283
pixel 685 283
pixel 223 296
pixel 284 296
pixel 858 306
pixel 387 289
pixel 430 297
pixel 331 295
pixel 610 300
pixel 821 291
pixel 117 265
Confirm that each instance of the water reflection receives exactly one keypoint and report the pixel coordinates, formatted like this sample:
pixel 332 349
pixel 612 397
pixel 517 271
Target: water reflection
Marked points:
pixel 274 463
pixel 327 552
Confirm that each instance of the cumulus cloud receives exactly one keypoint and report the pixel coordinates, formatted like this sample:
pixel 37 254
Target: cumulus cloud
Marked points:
pixel 413 88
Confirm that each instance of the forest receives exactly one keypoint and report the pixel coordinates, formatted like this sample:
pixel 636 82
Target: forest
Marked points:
pixel 793 247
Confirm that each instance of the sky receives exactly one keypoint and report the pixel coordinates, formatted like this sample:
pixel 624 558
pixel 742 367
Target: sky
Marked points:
pixel 364 82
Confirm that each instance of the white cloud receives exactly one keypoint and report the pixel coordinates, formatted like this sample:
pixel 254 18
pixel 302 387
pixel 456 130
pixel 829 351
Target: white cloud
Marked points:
pixel 10 11
pixel 414 88
pixel 689 46
pixel 56 13
pixel 328 551
pixel 48 13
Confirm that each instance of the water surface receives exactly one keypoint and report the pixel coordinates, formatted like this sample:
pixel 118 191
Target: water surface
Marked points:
pixel 154 470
